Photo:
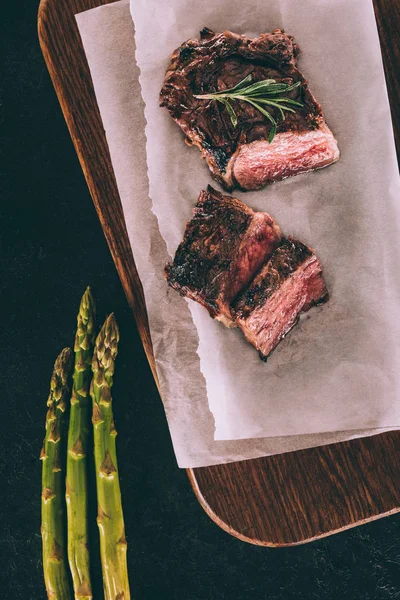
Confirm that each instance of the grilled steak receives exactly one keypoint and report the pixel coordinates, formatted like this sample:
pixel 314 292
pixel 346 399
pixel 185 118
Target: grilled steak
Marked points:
pixel 224 245
pixel 289 283
pixel 242 156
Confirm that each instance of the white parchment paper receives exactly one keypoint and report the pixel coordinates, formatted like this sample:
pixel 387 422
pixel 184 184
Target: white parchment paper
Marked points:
pixel 339 369
pixel 108 37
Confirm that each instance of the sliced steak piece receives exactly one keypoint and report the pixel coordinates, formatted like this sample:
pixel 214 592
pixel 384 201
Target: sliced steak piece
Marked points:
pixel 242 157
pixel 224 245
pixel 290 153
pixel 289 283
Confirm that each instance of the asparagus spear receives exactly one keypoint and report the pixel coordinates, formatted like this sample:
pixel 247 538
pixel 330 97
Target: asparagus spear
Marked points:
pixel 53 508
pixel 110 517
pixel 78 433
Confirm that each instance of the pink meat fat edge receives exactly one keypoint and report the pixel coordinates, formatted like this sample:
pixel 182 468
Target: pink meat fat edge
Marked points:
pixel 268 324
pixel 290 153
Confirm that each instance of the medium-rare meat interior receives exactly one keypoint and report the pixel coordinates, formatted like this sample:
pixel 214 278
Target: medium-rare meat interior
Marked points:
pixel 287 285
pixel 233 134
pixel 235 262
pixel 224 245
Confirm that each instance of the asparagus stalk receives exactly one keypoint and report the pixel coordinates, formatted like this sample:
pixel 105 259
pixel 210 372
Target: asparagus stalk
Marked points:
pixel 53 508
pixel 78 434
pixel 110 519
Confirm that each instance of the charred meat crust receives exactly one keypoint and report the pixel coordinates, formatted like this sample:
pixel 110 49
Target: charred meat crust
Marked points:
pixel 204 255
pixel 224 244
pixel 218 61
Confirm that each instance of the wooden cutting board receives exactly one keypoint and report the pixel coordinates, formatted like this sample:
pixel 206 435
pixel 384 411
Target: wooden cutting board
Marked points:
pixel 273 501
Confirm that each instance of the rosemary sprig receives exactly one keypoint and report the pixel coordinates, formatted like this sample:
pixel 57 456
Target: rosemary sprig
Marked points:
pixel 261 95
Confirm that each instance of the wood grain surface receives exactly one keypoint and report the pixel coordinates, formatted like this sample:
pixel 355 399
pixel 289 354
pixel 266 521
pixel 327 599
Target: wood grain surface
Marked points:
pixel 273 501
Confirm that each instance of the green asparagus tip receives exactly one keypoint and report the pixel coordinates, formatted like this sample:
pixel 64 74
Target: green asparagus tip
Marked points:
pixel 87 305
pixel 59 379
pixel 106 349
pixel 85 331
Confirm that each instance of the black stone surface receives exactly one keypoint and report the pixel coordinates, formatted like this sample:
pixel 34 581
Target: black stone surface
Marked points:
pixel 52 246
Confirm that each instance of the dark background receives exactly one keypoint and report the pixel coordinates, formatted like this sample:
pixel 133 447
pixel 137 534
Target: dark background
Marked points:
pixel 52 246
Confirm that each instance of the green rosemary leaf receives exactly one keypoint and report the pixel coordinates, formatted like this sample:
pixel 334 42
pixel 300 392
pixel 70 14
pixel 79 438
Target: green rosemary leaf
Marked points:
pixel 231 112
pixel 274 104
pixel 237 87
pixel 277 105
pixel 287 88
pixel 293 87
pixel 274 89
pixel 263 111
pixel 288 101
pixel 259 87
pixel 272 133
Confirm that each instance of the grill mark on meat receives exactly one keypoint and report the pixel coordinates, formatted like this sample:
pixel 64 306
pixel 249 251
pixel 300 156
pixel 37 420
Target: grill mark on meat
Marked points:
pixel 220 60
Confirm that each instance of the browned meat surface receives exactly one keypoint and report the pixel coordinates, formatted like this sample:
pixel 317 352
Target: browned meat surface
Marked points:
pixel 224 245
pixel 242 157
pixel 288 284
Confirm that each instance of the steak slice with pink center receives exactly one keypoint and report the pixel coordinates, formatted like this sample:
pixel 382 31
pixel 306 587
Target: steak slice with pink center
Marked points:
pixel 290 153
pixel 289 284
pixel 224 246
pixel 239 154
